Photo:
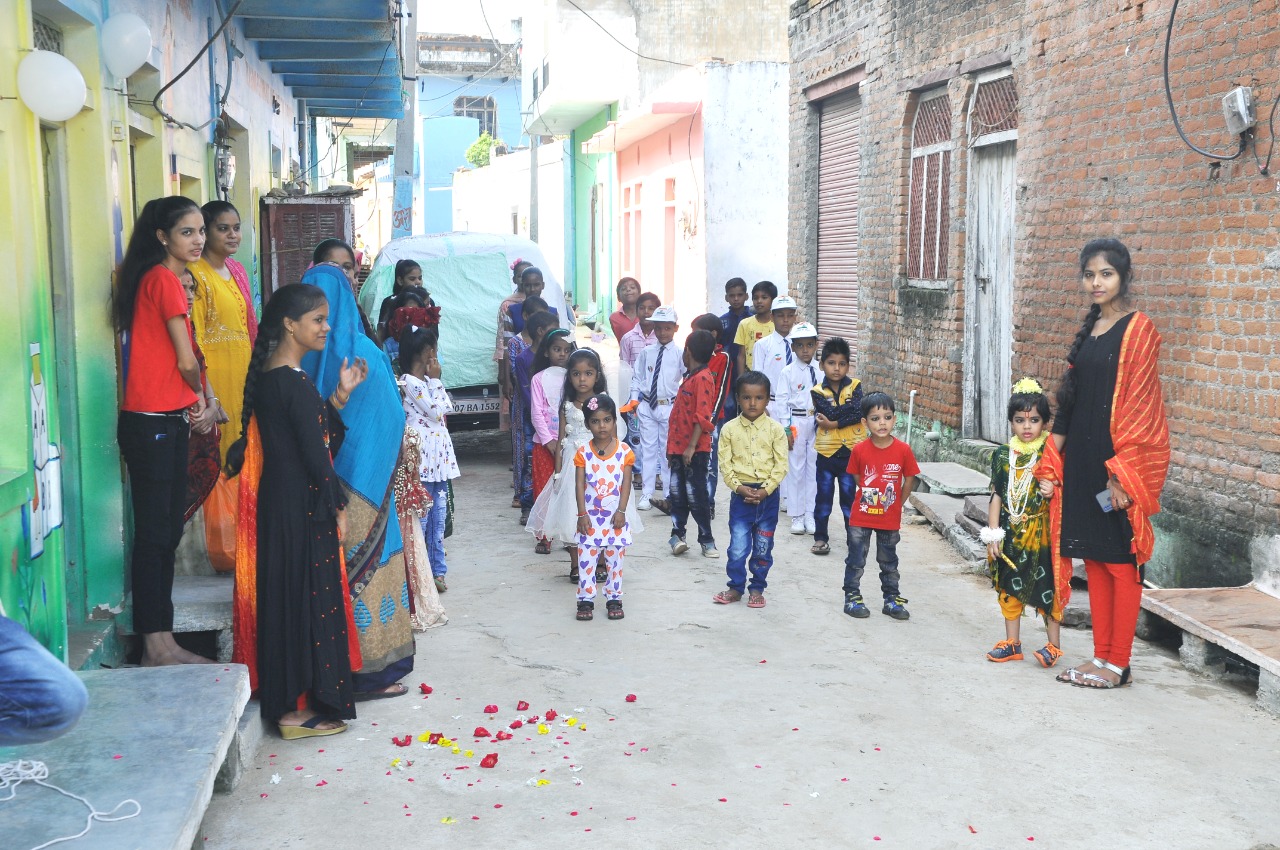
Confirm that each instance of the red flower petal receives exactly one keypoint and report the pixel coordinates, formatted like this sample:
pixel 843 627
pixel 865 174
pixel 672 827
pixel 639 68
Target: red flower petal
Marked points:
pixel 724 799
pixel 516 724
pixel 490 709
pixel 551 715
pixel 426 689
pixel 480 732
pixel 504 736
pixel 434 738
pixel 522 706
pixel 631 697
pixel 491 760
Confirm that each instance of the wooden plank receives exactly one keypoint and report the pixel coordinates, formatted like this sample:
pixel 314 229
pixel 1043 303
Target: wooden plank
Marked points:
pixel 1242 620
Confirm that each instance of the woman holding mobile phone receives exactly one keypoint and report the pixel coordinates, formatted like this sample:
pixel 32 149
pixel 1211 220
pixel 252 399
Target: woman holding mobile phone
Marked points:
pixel 1113 455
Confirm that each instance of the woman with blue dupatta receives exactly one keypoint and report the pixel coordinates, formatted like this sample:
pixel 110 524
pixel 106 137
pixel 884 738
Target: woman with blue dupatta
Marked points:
pixel 366 465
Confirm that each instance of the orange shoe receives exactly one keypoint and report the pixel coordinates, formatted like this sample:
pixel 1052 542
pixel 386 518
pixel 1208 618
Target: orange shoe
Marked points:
pixel 1048 656
pixel 1006 650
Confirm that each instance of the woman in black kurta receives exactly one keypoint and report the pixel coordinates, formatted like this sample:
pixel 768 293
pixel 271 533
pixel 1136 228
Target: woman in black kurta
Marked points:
pixel 303 663
pixel 302 629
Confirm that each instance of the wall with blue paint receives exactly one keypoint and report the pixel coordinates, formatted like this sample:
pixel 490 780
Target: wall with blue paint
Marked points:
pixel 445 138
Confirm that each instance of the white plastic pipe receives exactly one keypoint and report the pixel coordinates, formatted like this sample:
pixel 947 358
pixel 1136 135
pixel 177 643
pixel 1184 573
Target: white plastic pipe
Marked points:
pixel 911 411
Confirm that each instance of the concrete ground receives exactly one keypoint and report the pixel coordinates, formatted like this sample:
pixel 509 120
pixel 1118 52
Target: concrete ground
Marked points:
pixel 784 726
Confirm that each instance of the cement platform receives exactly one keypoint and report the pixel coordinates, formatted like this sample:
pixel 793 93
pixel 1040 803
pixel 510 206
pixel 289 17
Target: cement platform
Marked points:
pixel 952 479
pixel 155 735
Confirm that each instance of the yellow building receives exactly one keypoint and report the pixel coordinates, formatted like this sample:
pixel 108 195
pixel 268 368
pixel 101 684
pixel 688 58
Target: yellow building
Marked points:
pixel 237 124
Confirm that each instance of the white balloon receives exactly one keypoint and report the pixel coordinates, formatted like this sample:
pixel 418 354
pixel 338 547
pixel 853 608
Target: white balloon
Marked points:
pixel 126 43
pixel 51 85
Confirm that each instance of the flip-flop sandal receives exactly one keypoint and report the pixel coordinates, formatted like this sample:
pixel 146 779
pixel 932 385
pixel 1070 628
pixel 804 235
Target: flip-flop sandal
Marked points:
pixel 308 729
pixel 400 690
pixel 726 597
pixel 756 600
pixel 441 587
pixel 822 547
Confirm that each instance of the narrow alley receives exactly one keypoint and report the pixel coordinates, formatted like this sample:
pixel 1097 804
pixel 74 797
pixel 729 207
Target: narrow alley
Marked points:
pixel 749 725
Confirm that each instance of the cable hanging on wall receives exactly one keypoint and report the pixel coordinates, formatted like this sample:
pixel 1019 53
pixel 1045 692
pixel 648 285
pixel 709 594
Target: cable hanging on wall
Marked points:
pixel 1168 92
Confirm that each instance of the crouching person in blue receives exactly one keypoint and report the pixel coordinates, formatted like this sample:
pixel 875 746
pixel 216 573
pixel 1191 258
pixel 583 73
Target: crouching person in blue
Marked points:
pixel 40 698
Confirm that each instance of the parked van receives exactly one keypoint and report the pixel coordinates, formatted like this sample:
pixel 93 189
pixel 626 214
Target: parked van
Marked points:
pixel 468 276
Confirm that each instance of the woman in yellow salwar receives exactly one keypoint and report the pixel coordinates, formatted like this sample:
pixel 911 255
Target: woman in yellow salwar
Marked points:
pixel 226 326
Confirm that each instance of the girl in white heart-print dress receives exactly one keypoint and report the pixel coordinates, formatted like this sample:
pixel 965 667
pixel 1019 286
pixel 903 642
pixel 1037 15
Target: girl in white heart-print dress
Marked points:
pixel 603 470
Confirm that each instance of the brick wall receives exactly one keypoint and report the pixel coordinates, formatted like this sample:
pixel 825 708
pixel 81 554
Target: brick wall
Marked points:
pixel 1097 155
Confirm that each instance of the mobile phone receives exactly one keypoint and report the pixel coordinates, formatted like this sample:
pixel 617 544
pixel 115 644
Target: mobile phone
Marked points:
pixel 1104 501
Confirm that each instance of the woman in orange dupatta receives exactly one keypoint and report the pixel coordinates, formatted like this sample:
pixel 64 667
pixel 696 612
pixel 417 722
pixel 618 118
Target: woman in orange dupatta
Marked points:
pixel 1110 456
pixel 292 618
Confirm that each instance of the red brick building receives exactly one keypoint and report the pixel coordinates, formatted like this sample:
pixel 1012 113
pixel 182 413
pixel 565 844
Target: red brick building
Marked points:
pixel 949 159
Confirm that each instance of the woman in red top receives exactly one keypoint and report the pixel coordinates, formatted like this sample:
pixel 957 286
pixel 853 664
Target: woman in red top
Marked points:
pixel 162 391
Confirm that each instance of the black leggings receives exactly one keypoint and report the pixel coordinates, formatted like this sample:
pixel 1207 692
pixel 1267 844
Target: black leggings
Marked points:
pixel 155 451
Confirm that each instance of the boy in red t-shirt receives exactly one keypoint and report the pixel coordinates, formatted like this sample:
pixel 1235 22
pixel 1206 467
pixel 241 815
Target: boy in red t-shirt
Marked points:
pixel 689 445
pixel 722 368
pixel 884 468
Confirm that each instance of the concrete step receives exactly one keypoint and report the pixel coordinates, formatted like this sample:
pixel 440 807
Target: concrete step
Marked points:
pixel 941 510
pixel 975 507
pixel 155 735
pixel 970 525
pixel 203 604
pixel 953 479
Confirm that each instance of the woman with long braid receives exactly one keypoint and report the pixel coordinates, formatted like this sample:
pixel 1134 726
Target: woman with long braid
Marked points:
pixel 1111 458
pixel 301 655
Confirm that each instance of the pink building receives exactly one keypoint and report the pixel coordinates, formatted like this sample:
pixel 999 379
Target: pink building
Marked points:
pixel 702 184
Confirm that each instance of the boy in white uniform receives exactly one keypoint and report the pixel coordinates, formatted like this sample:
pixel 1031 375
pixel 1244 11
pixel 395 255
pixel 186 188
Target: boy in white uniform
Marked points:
pixel 654 384
pixel 799 488
pixel 773 353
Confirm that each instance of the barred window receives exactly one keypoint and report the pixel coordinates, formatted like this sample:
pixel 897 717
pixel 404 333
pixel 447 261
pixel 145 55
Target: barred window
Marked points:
pixel 928 215
pixel 995 108
pixel 484 109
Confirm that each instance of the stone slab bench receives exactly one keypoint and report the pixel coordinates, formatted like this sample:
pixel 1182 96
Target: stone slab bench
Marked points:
pixel 952 479
pixel 1243 621
pixel 155 735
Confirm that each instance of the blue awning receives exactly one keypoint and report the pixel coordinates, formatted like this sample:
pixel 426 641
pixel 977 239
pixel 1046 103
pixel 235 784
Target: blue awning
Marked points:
pixel 338 56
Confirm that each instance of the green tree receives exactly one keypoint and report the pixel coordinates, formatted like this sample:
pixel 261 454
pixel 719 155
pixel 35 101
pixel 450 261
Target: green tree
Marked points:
pixel 478 153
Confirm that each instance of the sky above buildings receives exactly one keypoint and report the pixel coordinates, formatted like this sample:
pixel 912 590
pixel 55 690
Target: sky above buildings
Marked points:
pixel 467 17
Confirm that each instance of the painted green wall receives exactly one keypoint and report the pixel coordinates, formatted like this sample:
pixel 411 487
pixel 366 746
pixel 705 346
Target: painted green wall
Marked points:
pixel 589 170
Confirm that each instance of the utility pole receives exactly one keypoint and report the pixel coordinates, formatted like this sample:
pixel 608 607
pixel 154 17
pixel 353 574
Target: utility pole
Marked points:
pixel 402 205
pixel 533 186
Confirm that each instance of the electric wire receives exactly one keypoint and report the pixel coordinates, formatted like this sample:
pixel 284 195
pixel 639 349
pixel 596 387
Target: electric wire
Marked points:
pixel 620 44
pixel 155 102
pixel 1265 168
pixel 1173 112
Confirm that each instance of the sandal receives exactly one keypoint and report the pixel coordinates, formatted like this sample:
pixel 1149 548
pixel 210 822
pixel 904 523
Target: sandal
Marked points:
pixel 307 729
pixel 1048 655
pixel 726 597
pixel 441 587
pixel 543 547
pixel 615 609
pixel 1101 683
pixel 602 574
pixel 1068 676
pixel 586 610
pixel 755 600
pixel 573 574
pixel 389 692
pixel 515 503
pixel 822 547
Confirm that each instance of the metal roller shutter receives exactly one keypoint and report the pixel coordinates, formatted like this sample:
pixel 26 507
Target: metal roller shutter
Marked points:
pixel 839 160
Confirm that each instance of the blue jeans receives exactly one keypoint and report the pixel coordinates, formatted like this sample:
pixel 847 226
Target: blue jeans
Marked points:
pixel 688 492
pixel 751 530
pixel 524 488
pixel 433 525
pixel 829 471
pixel 859 540
pixel 40 698
pixel 713 467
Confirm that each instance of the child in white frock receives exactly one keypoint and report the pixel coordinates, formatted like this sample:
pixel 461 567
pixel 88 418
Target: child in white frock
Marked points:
pixel 555 512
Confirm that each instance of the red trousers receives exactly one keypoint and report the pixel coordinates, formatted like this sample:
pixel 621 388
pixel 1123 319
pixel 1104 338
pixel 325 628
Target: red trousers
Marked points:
pixel 544 466
pixel 1115 598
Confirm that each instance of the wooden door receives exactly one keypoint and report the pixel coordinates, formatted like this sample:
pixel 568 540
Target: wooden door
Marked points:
pixel 990 271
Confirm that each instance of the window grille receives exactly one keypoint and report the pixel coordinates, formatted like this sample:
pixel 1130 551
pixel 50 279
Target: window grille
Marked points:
pixel 928 212
pixel 47 36
pixel 483 109
pixel 995 107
